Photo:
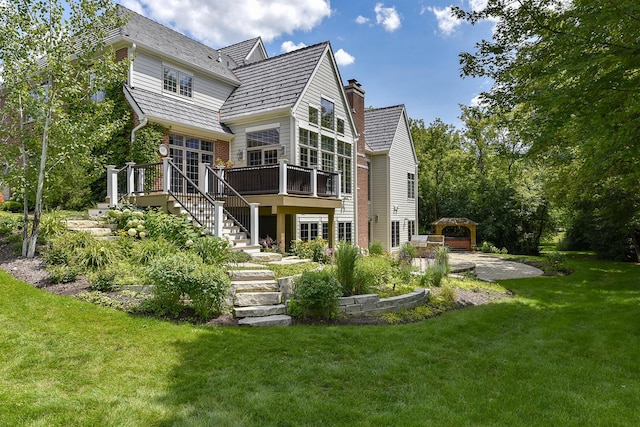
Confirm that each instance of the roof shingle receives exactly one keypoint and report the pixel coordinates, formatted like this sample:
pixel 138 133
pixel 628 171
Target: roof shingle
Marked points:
pixel 380 126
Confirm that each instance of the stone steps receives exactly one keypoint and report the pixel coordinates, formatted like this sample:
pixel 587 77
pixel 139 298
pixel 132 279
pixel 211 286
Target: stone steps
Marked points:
pixel 257 298
pixel 94 227
pixel 277 320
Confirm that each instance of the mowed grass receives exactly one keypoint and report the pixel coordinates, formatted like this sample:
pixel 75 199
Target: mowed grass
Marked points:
pixel 564 351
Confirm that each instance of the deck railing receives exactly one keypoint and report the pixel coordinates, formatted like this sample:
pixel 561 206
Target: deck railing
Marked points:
pixel 235 206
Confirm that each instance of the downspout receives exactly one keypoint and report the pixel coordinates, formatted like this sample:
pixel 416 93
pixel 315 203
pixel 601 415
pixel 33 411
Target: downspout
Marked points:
pixel 141 116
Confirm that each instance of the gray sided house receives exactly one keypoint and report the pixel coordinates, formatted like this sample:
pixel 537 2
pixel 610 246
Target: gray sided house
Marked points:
pixel 294 153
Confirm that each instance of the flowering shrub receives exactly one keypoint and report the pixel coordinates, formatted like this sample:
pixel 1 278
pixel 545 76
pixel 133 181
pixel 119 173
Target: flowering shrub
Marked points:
pixel 130 221
pixel 223 163
pixel 317 250
pixel 268 244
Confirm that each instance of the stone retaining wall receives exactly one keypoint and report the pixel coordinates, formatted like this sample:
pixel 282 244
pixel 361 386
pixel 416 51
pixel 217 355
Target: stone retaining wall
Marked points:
pixel 372 304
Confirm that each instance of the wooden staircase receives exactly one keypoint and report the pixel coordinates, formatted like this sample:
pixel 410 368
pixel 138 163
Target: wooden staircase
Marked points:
pixel 257 300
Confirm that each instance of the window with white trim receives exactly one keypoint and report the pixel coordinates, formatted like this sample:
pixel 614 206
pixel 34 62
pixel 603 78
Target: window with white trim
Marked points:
pixel 262 147
pixel 411 229
pixel 344 166
pixel 395 234
pixel 308 148
pixel 344 232
pixel 177 82
pixel 411 185
pixel 327 117
pixel 313 115
pixel 340 126
pixel 308 231
pixel 187 153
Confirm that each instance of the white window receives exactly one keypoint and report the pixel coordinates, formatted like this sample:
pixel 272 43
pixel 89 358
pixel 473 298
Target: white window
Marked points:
pixel 188 153
pixel 327 116
pixel 262 147
pixel 177 82
pixel 411 185
pixel 395 234
pixel 344 232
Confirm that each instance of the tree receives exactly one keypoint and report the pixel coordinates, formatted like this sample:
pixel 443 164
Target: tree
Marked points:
pixel 54 64
pixel 570 72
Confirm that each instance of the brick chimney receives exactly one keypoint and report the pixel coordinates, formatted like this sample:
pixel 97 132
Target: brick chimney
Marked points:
pixel 355 97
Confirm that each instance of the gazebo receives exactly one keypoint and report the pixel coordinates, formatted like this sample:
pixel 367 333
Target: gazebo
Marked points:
pixel 460 233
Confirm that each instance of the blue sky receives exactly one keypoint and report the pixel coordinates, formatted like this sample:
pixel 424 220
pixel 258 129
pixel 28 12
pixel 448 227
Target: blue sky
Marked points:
pixel 402 52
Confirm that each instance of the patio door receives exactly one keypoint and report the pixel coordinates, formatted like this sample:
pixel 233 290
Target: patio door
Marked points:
pixel 187 154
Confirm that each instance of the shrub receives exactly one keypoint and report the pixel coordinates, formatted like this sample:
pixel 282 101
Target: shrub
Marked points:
pixel 406 255
pixel 103 280
pixel 433 276
pixel 62 273
pixel 442 258
pixel 555 260
pixel 64 247
pixel 268 244
pixel 212 250
pixel 317 294
pixel 487 247
pixel 345 260
pixel 130 221
pixel 12 206
pixel 371 271
pixel 316 250
pixel 52 223
pixel 375 248
pixel 238 256
pixel 10 224
pixel 98 254
pixel 144 251
pixel 176 229
pixel 183 275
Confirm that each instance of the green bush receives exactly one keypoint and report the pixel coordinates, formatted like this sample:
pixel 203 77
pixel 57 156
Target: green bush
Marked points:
pixel 62 273
pixel 316 294
pixel 212 250
pixel 371 272
pixel 345 259
pixel 52 223
pixel 176 229
pixel 144 251
pixel 442 258
pixel 406 254
pixel 10 224
pixel 103 280
pixel 98 254
pixel 316 250
pixel 375 248
pixel 64 247
pixel 12 206
pixel 183 276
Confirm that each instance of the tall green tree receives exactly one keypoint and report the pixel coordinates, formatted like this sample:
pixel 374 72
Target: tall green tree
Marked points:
pixel 569 72
pixel 54 63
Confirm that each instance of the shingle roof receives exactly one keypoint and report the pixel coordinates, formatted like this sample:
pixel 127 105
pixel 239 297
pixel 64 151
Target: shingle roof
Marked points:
pixel 380 126
pixel 240 51
pixel 147 33
pixel 157 106
pixel 273 83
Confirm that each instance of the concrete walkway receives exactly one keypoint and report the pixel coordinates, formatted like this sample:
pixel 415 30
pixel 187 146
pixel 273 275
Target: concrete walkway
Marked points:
pixel 492 268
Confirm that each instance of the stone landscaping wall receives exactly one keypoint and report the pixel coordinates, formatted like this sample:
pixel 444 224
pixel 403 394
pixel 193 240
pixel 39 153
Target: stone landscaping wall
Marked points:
pixel 371 304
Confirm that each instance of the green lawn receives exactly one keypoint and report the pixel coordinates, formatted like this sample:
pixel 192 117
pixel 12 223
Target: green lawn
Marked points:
pixel 565 351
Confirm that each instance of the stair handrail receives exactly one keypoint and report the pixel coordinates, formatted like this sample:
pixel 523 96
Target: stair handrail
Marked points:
pixel 245 225
pixel 174 168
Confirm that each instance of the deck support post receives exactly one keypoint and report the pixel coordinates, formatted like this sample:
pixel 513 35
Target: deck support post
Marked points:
pixel 112 185
pixel 314 181
pixel 166 173
pixel 218 218
pixel 130 178
pixel 255 223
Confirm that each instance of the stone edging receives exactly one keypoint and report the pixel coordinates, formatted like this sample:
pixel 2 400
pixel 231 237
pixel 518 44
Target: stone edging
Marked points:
pixel 372 304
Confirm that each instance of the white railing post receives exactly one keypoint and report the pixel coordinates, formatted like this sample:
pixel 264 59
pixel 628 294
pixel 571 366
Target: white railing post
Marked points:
pixel 283 177
pixel 255 223
pixel 339 186
pixel 314 181
pixel 203 177
pixel 112 185
pixel 130 174
pixel 140 182
pixel 220 189
pixel 166 173
pixel 218 218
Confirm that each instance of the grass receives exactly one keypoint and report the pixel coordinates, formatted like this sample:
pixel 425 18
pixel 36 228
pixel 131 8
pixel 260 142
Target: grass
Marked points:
pixel 564 351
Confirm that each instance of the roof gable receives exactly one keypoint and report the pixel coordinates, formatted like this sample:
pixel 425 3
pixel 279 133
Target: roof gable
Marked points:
pixel 241 52
pixel 381 126
pixel 272 84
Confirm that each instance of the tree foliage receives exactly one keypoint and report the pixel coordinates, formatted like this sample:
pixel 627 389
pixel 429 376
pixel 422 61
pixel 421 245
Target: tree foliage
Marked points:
pixel 569 72
pixel 53 65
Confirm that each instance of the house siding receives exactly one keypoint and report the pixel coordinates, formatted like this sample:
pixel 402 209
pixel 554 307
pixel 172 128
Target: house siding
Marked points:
pixel 326 84
pixel 240 140
pixel 380 201
pixel 402 162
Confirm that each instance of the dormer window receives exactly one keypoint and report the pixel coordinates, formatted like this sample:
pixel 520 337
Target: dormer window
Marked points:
pixel 177 82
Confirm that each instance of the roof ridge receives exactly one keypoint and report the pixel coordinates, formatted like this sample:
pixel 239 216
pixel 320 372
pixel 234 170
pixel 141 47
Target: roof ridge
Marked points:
pixel 296 51
pixel 167 27
pixel 384 108
pixel 240 42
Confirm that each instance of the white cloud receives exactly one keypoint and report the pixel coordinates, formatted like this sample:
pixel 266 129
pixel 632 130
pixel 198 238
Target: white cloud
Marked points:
pixel 343 58
pixel 361 20
pixel 477 101
pixel 290 46
pixel 388 17
pixel 225 22
pixel 477 5
pixel 447 22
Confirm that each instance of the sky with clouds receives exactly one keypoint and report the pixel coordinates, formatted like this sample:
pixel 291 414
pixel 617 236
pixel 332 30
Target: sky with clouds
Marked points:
pixel 402 51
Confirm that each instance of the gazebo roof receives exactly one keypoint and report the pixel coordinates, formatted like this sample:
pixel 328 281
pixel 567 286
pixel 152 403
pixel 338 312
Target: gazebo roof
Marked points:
pixel 455 221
